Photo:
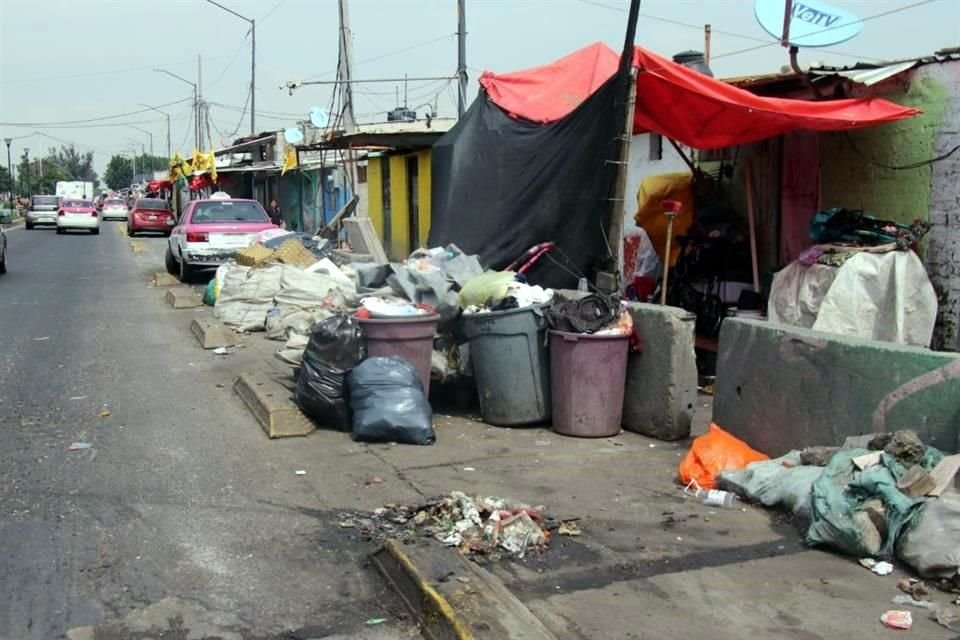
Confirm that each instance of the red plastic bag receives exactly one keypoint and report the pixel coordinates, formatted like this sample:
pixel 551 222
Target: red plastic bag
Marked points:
pixel 713 452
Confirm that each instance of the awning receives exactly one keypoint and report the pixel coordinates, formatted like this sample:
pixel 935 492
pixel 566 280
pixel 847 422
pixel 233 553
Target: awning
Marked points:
pixel 676 101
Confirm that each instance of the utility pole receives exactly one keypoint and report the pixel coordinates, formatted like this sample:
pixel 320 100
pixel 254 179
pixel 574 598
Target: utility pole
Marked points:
pixel 201 117
pixel 196 102
pixel 345 69
pixel 626 76
pixel 26 154
pixel 9 165
pixel 462 56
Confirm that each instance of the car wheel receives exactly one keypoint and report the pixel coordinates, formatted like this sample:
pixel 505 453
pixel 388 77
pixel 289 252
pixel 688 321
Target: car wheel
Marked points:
pixel 3 262
pixel 29 225
pixel 96 231
pixel 171 263
pixel 130 232
pixel 59 231
pixel 185 271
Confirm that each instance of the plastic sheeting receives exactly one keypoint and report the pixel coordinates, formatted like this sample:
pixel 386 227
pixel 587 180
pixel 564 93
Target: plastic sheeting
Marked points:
pixel 500 186
pixel 886 297
pixel 676 101
pixel 246 296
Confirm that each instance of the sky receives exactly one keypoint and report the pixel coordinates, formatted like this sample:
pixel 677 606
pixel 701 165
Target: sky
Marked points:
pixel 72 60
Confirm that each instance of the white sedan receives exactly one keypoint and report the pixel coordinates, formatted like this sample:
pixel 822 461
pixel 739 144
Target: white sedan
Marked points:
pixel 114 209
pixel 78 214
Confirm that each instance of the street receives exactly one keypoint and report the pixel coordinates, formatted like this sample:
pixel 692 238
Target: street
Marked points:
pixel 177 509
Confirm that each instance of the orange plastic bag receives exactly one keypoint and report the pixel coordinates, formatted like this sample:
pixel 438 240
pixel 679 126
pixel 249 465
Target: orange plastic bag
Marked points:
pixel 713 452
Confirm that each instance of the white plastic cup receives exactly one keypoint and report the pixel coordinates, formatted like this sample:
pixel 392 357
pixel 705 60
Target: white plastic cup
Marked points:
pixel 720 498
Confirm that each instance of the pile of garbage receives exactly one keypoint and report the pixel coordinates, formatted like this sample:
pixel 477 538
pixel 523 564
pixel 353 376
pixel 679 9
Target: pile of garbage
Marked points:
pixel 881 496
pixel 479 527
pixel 501 291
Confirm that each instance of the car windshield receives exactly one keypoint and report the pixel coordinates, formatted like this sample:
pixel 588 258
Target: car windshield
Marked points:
pixel 114 203
pixel 78 203
pixel 45 200
pixel 147 203
pixel 228 211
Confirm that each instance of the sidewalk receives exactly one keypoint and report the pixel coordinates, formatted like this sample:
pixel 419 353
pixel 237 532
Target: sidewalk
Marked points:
pixel 650 563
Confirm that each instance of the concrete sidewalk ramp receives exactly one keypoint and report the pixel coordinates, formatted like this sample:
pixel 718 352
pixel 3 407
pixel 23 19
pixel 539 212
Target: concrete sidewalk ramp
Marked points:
pixel 452 598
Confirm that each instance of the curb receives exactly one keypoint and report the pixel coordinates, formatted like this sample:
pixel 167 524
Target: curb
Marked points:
pixel 183 298
pixel 212 334
pixel 269 402
pixel 451 598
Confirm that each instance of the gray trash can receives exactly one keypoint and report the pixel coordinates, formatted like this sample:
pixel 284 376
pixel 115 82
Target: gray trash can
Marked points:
pixel 511 364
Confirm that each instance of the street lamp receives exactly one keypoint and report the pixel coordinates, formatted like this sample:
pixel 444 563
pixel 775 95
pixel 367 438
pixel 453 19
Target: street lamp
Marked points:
pixel 169 154
pixel 253 63
pixel 196 103
pixel 9 164
pixel 146 132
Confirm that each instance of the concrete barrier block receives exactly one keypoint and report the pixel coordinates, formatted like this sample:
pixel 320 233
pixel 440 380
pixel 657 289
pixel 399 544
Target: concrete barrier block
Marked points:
pixel 661 386
pixel 781 387
pixel 183 298
pixel 163 279
pixel 212 334
pixel 270 403
pixel 452 598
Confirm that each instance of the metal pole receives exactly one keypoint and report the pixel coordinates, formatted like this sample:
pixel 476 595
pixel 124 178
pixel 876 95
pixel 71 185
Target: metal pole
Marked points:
pixel 200 101
pixel 462 55
pixel 253 77
pixel 787 12
pixel 707 31
pixel 168 137
pixel 26 153
pixel 9 165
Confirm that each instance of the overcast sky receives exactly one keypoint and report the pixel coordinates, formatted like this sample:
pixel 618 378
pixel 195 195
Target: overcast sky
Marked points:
pixel 84 59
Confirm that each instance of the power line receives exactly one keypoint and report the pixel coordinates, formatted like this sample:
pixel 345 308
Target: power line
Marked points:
pixel 269 13
pixel 387 55
pixel 236 54
pixel 99 119
pixel 96 73
pixel 91 126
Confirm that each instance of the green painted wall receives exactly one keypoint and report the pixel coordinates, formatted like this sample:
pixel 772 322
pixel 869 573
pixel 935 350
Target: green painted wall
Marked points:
pixel 847 180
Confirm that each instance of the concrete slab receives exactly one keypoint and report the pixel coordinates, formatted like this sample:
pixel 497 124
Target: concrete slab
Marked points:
pixel 212 333
pixel 164 279
pixel 270 404
pixel 780 388
pixel 661 387
pixel 451 597
pixel 183 298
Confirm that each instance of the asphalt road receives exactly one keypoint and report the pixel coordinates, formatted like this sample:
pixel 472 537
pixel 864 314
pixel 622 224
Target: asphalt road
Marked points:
pixel 181 520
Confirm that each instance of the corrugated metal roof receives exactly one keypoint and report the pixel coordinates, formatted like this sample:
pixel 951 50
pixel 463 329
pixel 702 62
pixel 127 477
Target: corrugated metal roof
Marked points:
pixel 869 77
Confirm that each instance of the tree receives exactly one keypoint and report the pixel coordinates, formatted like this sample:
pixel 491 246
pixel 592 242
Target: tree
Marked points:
pixel 119 173
pixel 77 165
pixel 65 164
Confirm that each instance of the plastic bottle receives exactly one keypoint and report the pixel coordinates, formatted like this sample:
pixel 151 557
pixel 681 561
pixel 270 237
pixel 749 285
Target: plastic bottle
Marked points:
pixel 719 498
pixel 583 285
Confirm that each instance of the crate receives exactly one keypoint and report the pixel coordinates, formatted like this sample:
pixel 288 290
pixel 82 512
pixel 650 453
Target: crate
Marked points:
pixel 293 253
pixel 254 256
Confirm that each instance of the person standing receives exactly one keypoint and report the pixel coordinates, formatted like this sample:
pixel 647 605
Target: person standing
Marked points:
pixel 276 216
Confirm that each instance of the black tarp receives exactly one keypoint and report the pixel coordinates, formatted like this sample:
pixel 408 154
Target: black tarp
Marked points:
pixel 501 185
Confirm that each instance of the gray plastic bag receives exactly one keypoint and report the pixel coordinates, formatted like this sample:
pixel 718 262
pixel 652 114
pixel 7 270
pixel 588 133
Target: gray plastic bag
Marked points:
pixel 388 403
pixel 932 545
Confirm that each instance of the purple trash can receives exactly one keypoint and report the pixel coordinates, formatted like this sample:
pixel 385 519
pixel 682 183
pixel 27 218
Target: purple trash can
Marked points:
pixel 587 378
pixel 410 338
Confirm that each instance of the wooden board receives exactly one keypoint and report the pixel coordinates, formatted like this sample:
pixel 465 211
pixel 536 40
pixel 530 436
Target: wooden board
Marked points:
pixel 363 238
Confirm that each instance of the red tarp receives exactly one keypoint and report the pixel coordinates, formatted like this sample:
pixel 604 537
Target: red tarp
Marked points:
pixel 676 101
pixel 158 185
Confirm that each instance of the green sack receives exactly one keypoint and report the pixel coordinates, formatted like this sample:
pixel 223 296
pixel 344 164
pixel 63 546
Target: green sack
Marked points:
pixel 210 295
pixel 487 288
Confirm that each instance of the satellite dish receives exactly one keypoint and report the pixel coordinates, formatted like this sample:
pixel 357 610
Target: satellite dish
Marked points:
pixel 293 135
pixel 319 117
pixel 812 23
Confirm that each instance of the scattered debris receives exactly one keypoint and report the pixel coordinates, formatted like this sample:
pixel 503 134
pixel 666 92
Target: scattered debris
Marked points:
pixel 77 446
pixel 490 527
pixel 78 397
pixel 300 472
pixel 881 568
pixel 913 587
pixel 948 617
pixel 916 482
pixel 944 473
pixel 41 339
pixel 373 621
pixel 818 456
pixel 376 480
pixel 897 619
pixel 569 528
pixel 469 469
pixel 904 445
pixel 223 351
pixel 105 413
pixel 910 602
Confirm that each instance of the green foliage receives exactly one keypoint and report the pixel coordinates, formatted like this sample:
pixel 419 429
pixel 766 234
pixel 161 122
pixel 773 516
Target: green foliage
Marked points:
pixel 41 175
pixel 119 173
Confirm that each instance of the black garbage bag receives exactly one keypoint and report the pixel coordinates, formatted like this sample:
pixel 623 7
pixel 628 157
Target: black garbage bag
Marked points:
pixel 336 346
pixel 388 403
pixel 586 315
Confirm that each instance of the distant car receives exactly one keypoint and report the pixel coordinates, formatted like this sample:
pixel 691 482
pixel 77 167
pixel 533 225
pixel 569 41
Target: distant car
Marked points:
pixel 43 210
pixel 3 251
pixel 78 214
pixel 114 209
pixel 150 214
pixel 210 232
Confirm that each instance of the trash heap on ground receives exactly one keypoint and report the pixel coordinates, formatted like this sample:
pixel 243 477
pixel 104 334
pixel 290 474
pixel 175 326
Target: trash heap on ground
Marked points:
pixel 875 496
pixel 365 339
pixel 479 527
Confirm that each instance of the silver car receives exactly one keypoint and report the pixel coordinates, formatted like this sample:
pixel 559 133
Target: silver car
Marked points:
pixel 114 209
pixel 43 210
